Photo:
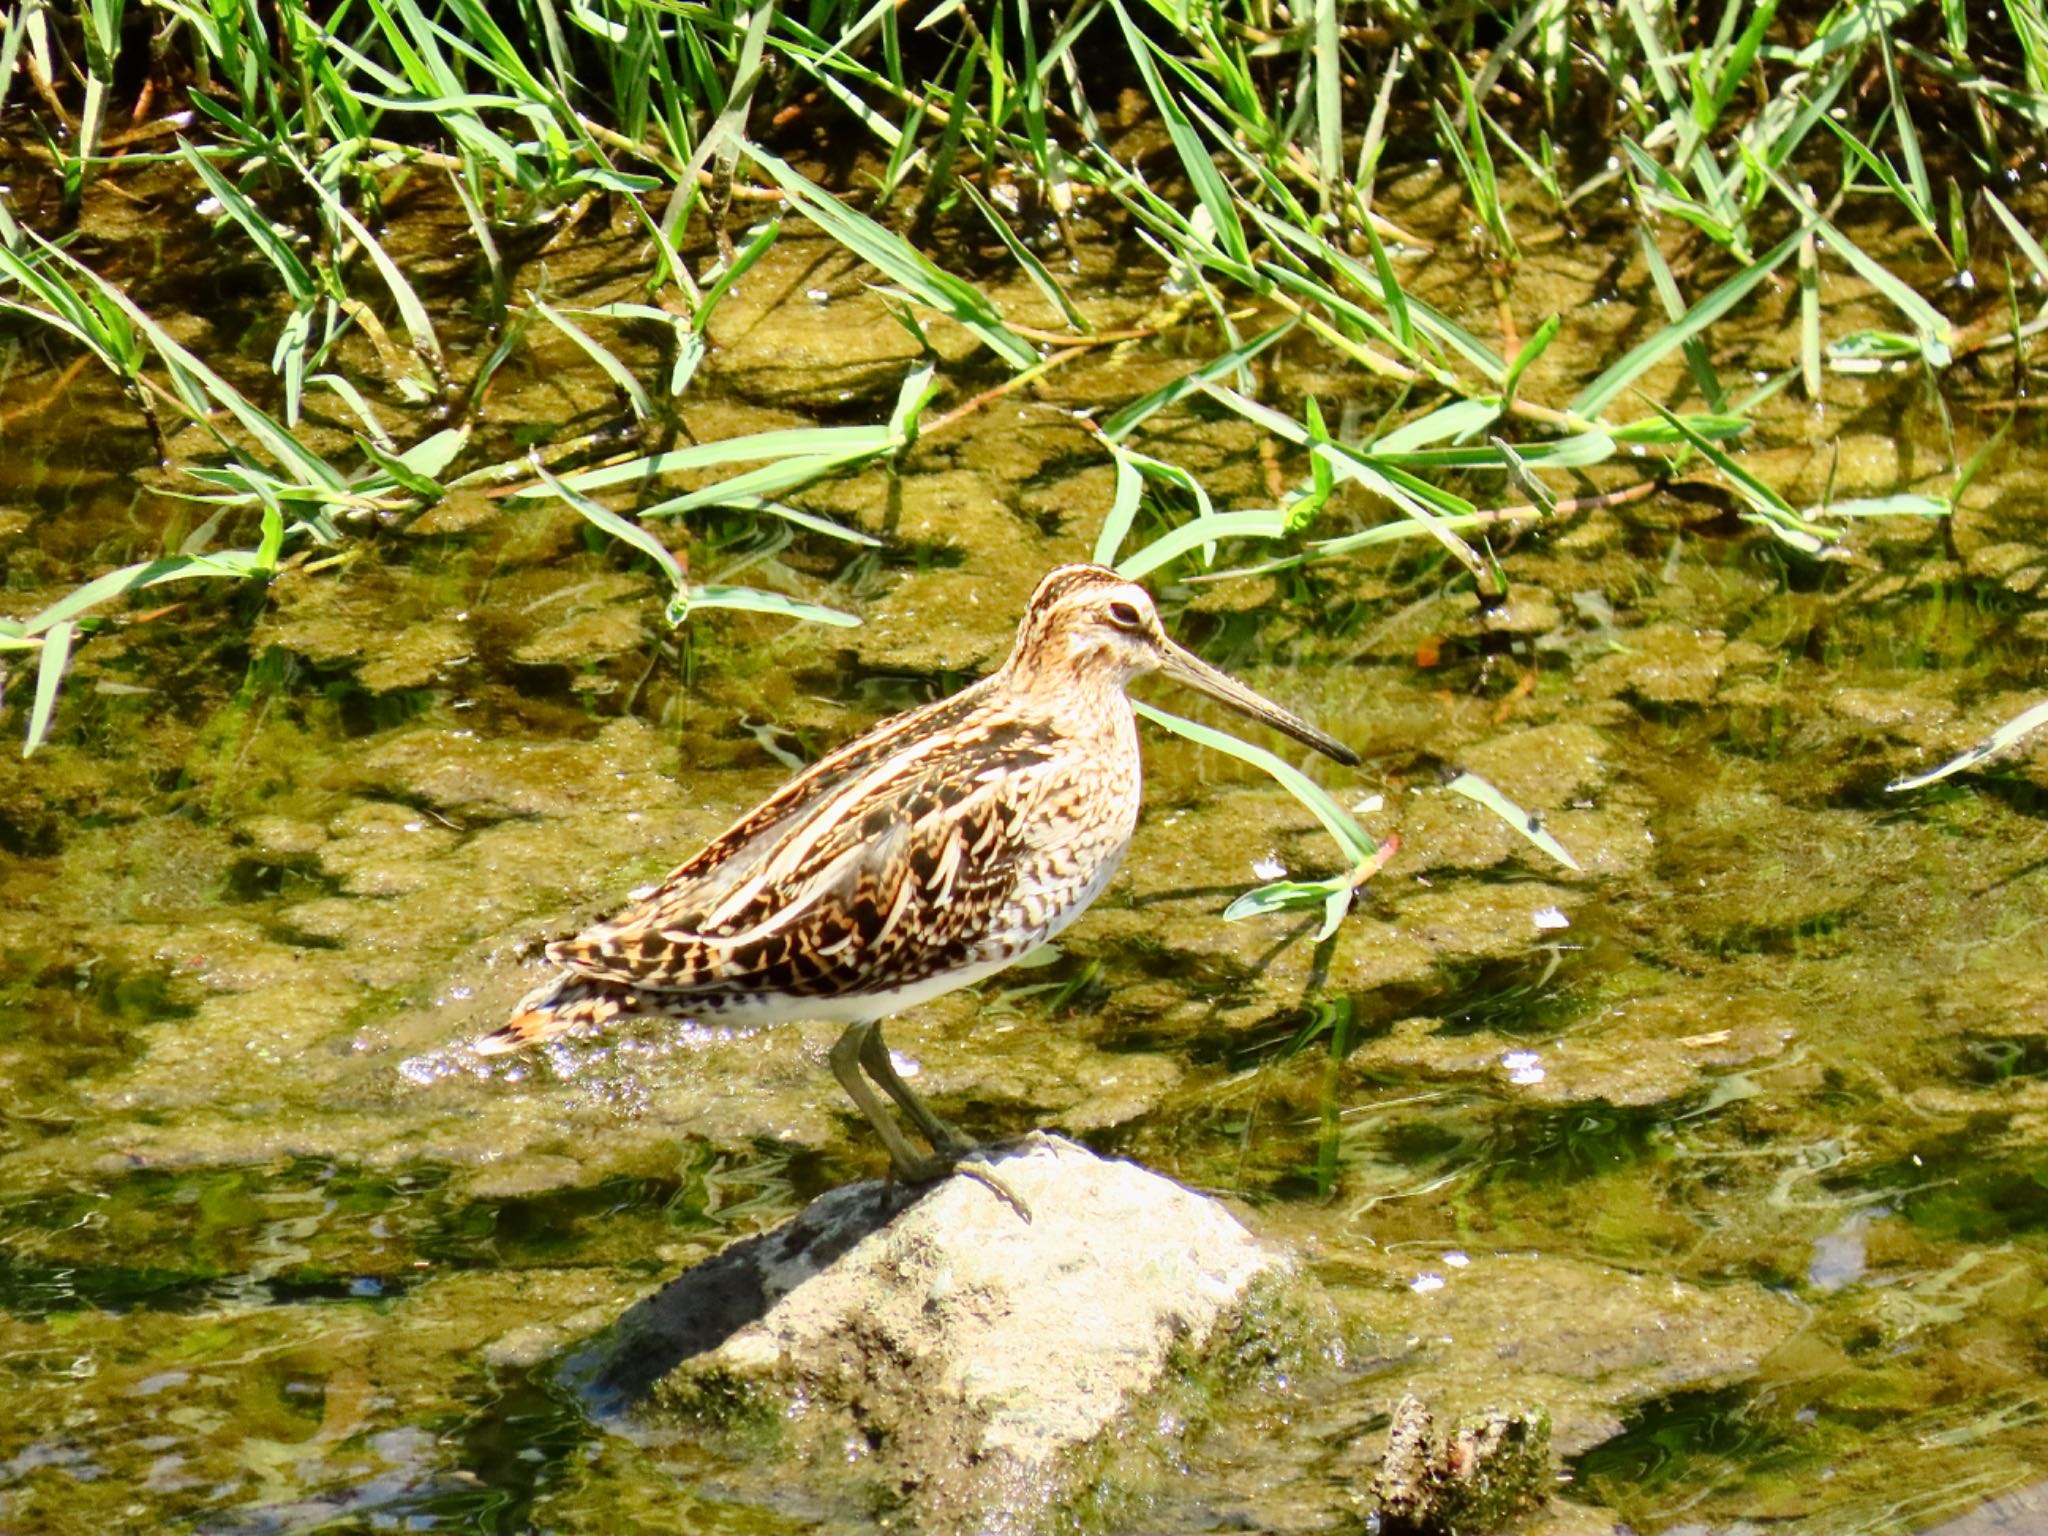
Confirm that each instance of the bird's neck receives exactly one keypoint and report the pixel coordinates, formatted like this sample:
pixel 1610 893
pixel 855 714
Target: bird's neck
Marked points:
pixel 1083 695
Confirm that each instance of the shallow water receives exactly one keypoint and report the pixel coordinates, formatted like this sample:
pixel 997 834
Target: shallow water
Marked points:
pixel 1727 1150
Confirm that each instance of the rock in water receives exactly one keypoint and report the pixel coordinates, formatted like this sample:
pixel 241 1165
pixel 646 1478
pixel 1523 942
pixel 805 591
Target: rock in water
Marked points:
pixel 970 1354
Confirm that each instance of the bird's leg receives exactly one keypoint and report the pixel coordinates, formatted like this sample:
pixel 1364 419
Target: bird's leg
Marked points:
pixel 950 1151
pixel 846 1058
pixel 862 1045
pixel 874 1056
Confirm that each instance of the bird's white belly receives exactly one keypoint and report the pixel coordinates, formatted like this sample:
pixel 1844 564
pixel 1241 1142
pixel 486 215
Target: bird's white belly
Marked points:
pixel 783 1008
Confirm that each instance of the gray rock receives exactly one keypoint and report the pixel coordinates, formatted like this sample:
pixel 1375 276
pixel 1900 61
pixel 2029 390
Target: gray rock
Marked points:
pixel 973 1357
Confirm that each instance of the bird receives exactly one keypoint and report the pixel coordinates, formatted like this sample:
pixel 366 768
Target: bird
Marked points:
pixel 943 845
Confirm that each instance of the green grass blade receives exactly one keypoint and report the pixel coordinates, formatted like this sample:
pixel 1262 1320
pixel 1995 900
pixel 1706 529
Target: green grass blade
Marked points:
pixel 621 377
pixel 1931 327
pixel 623 529
pixel 1329 102
pixel 1210 188
pixel 1251 523
pixel 836 444
pixel 1390 291
pixel 1655 429
pixel 1479 792
pixel 49 675
pixel 1447 423
pixel 198 383
pixel 423 488
pixel 774 479
pixel 1040 275
pixel 432 455
pixel 893 256
pixel 810 522
pixel 1922 200
pixel 1903 504
pixel 132 578
pixel 1123 505
pixel 1695 351
pixel 1773 510
pixel 918 390
pixel 1127 420
pixel 754 600
pixel 271 245
pixel 1532 349
pixel 685 598
pixel 1639 359
pixel 1347 834
pixel 2029 246
pixel 755 248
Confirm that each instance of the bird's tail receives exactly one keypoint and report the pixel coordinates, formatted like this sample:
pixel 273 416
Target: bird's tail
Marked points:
pixel 567 1002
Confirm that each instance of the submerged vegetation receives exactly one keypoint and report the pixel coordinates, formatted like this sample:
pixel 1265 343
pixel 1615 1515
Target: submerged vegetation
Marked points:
pixel 1627 404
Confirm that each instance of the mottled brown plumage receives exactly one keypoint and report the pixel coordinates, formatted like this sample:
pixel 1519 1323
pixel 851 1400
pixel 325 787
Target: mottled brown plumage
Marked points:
pixel 934 850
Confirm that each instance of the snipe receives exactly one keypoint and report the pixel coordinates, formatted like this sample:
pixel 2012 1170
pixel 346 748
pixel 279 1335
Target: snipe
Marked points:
pixel 927 854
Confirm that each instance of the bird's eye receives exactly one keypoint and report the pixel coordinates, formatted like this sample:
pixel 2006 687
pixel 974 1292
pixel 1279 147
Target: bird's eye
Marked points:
pixel 1125 616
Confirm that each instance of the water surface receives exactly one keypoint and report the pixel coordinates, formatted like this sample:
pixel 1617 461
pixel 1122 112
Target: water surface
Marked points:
pixel 1727 1150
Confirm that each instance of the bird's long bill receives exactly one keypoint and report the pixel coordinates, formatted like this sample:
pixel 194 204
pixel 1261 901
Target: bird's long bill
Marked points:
pixel 1186 667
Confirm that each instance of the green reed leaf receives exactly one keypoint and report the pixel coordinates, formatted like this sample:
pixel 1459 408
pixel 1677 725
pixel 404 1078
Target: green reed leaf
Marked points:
pixel 1348 834
pixel 49 675
pixel 1639 359
pixel 1521 822
pixel 897 259
pixel 755 600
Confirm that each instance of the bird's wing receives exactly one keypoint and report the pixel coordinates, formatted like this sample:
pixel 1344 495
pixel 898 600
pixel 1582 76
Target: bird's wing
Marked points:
pixel 887 870
pixel 700 883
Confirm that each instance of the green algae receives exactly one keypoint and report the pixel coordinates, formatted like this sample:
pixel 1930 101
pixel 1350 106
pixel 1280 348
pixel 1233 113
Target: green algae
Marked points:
pixel 1734 1137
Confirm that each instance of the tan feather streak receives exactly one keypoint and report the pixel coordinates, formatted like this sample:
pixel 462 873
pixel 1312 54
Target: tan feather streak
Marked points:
pixel 822 822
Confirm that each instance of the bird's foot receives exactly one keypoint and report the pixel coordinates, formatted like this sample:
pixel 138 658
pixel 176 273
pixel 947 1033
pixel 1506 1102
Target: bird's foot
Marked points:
pixel 972 1162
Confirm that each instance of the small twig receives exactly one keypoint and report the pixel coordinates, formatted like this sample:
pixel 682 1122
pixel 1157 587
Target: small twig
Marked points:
pixel 1567 505
pixel 49 396
pixel 987 396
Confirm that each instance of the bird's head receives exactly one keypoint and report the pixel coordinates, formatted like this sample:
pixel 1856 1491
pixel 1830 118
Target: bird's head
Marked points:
pixel 1087 625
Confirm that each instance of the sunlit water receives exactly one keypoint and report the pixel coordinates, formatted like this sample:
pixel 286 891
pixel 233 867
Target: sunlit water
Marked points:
pixel 1726 1151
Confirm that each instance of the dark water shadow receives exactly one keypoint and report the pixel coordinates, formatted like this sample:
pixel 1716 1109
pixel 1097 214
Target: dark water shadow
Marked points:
pixel 707 1304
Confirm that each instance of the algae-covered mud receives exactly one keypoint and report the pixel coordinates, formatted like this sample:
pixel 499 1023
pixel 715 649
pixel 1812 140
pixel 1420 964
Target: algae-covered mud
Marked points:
pixel 1724 1151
